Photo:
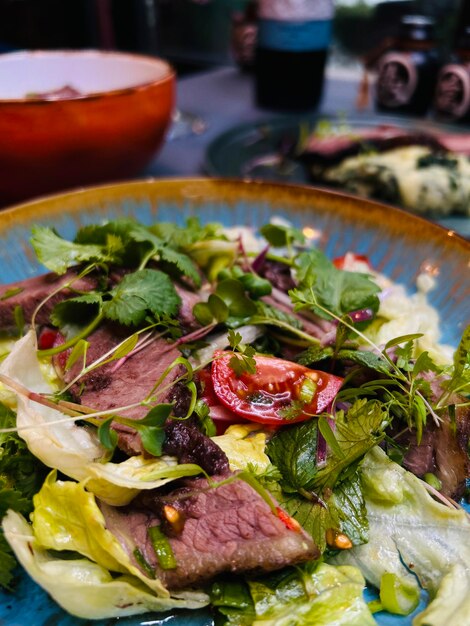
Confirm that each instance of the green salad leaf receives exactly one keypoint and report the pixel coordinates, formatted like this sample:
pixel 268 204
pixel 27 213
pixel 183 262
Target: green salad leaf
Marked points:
pixel 323 288
pixel 316 594
pixel 423 542
pixel 85 588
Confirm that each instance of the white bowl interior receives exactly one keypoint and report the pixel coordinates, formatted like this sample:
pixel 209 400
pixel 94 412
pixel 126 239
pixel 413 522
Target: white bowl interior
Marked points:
pixel 23 73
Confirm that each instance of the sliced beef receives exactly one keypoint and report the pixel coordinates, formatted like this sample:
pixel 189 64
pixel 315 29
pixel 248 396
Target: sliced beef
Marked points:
pixel 442 450
pixel 123 383
pixel 226 529
pixel 189 445
pixel 326 151
pixel 34 290
pixel 188 300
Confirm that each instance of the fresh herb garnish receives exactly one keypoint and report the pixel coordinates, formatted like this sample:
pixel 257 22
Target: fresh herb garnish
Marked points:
pixel 323 288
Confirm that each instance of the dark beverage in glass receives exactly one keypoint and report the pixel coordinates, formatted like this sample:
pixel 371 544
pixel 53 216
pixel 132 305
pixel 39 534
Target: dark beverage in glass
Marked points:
pixel 291 53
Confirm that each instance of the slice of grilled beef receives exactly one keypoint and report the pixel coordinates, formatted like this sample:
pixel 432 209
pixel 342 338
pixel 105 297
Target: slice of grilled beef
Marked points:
pixel 32 291
pixel 125 382
pixel 328 150
pixel 224 529
pixel 443 449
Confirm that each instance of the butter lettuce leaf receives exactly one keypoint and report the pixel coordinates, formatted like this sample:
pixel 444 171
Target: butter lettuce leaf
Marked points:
pixel 422 541
pixel 244 445
pixel 118 483
pixel 87 589
pixel 67 517
pixel 52 437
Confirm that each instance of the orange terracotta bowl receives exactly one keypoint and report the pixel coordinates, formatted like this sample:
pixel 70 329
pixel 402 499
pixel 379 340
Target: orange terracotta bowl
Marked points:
pixel 72 118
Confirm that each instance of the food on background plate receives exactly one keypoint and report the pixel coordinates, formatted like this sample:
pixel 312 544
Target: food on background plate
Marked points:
pixel 61 93
pixel 192 416
pixel 424 172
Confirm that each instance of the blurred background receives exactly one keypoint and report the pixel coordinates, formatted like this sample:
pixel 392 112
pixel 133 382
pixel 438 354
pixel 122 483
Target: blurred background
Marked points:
pixel 196 35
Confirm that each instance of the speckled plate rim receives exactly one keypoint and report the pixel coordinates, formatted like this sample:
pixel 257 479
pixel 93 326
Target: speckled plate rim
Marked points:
pixel 200 189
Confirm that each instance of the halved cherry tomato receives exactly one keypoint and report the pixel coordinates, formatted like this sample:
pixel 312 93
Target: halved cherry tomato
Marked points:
pixel 351 259
pixel 281 392
pixel 47 338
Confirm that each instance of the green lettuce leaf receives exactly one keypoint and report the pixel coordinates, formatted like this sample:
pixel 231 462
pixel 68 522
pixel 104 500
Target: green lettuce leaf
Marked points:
pixel 118 483
pixel 84 588
pixel 244 445
pixel 422 541
pixel 67 517
pixel 50 436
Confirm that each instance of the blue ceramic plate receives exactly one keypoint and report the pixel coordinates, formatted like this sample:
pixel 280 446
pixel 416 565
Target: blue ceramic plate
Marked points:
pixel 253 151
pixel 399 244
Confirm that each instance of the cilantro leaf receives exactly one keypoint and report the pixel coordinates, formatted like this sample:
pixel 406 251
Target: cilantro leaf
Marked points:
pixel 76 310
pixel 243 362
pixel 58 254
pixel 182 237
pixel 144 291
pixel 323 288
pixel 183 262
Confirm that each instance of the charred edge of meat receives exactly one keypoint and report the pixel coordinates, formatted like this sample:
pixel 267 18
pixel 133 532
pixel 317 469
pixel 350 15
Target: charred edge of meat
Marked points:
pixel 189 445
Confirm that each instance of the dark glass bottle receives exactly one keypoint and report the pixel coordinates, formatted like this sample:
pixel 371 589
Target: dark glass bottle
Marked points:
pixel 452 99
pixel 406 74
pixel 291 53
pixel 244 34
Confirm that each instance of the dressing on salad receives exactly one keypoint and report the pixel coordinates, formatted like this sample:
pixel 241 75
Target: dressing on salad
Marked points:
pixel 193 417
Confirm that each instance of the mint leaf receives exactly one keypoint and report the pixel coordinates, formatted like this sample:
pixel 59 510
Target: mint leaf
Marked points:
pixel 144 291
pixel 58 254
pixel 293 451
pixel 356 432
pixel 342 510
pixel 459 381
pixel 270 313
pixel 323 288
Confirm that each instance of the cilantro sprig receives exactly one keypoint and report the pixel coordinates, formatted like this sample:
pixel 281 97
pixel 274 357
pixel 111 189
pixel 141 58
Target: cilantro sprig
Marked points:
pixel 325 289
pixel 243 361
pixel 122 243
pixel 142 294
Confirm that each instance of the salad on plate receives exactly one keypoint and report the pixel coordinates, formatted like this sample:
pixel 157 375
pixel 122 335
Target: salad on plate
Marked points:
pixel 197 416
